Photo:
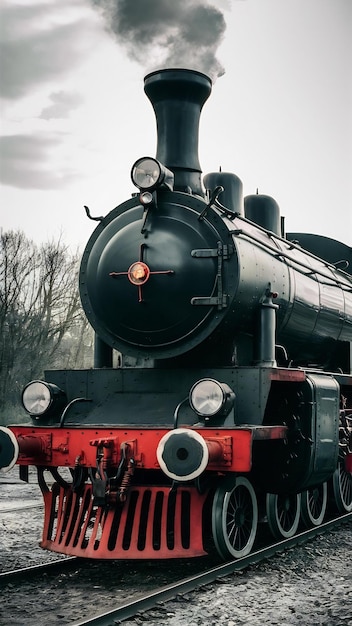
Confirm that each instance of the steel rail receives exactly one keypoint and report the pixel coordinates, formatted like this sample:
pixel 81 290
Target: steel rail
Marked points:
pixel 42 568
pixel 15 481
pixel 24 507
pixel 129 610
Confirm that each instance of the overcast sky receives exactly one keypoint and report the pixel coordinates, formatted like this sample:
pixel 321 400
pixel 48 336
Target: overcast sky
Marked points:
pixel 75 117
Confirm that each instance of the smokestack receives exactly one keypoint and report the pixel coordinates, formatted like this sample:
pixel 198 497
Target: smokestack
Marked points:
pixel 178 96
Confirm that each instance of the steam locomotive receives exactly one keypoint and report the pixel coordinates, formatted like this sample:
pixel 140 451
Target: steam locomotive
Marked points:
pixel 232 404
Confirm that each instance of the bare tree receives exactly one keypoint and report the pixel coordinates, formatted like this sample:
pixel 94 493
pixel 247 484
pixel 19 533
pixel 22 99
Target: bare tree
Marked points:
pixel 42 324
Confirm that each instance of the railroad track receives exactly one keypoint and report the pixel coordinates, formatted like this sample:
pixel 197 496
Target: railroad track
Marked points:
pixel 23 507
pixel 149 601
pixel 55 566
pixel 203 573
pixel 16 481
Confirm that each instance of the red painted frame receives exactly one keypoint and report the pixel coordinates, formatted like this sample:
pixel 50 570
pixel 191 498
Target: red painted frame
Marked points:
pixel 70 447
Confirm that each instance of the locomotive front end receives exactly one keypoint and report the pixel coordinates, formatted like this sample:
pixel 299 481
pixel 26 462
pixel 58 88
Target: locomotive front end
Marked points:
pixel 232 397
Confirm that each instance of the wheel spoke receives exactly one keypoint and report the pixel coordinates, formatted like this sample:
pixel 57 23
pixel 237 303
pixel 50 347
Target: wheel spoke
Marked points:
pixel 342 487
pixel 283 514
pixel 234 517
pixel 313 505
pixel 231 530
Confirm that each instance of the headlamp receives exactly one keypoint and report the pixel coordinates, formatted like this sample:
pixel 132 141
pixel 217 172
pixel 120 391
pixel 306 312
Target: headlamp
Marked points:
pixel 39 398
pixel 148 174
pixel 209 398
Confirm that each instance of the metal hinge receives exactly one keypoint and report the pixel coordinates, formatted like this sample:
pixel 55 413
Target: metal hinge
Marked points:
pixel 221 301
pixel 222 252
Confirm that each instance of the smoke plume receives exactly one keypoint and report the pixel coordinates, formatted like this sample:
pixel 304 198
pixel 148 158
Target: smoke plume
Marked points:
pixel 167 33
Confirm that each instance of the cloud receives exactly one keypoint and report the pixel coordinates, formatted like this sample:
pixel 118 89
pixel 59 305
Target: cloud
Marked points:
pixel 41 43
pixel 25 159
pixel 62 103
